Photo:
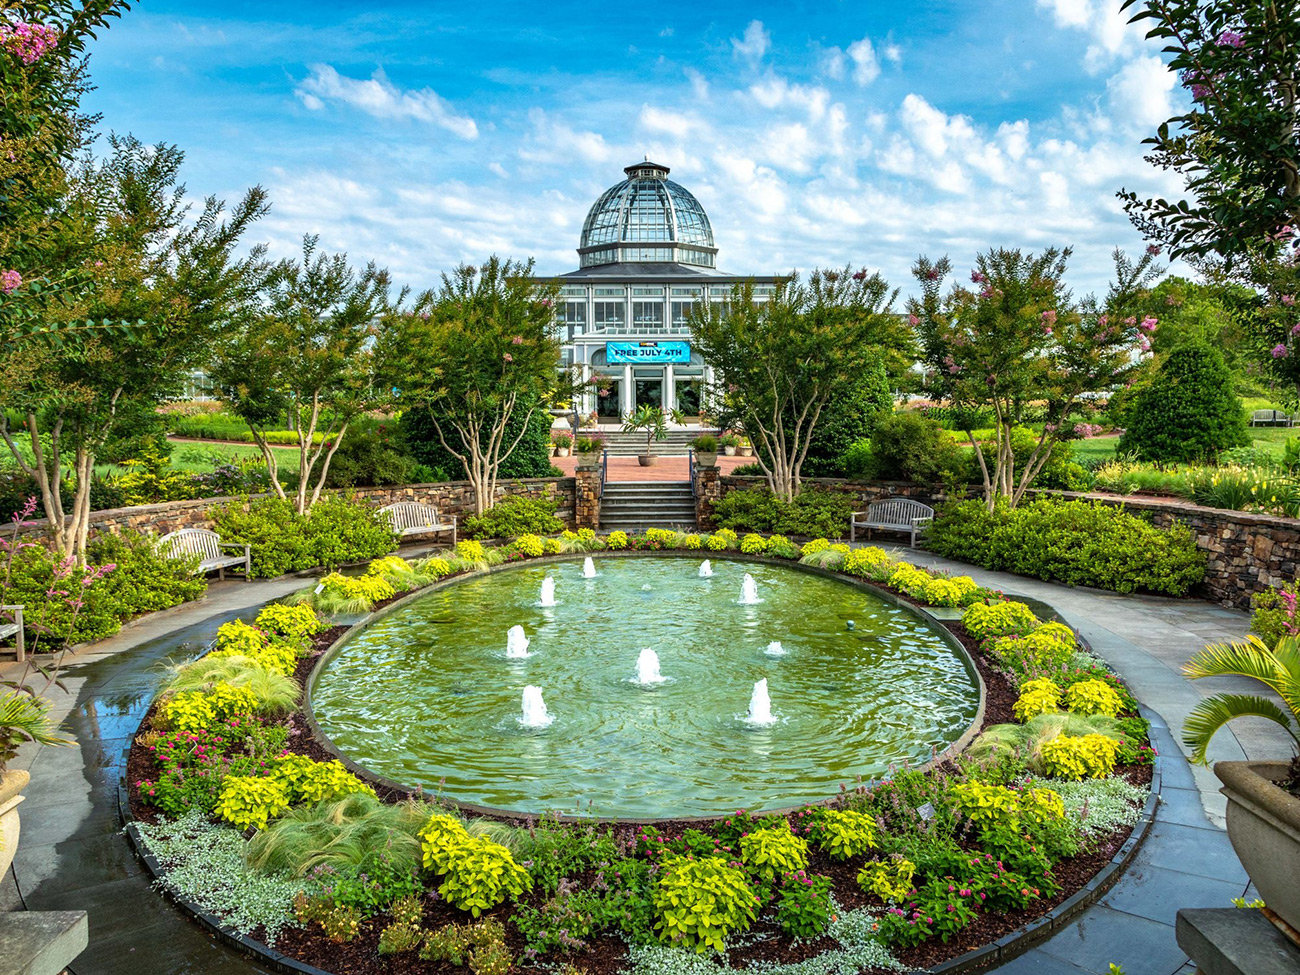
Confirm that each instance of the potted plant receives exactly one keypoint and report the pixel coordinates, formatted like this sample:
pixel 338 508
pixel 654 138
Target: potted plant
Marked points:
pixel 706 450
pixel 1263 797
pixel 23 717
pixel 729 442
pixel 654 421
pixel 589 447
pixel 562 443
pixel 746 448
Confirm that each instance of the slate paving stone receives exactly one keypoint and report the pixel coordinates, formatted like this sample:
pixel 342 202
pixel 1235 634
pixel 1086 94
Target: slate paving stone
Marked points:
pixel 176 948
pixel 1103 936
pixel 92 754
pixel 114 908
pixel 75 818
pixel 1038 962
pixel 1183 807
pixel 1192 851
pixel 1159 894
pixel 45 871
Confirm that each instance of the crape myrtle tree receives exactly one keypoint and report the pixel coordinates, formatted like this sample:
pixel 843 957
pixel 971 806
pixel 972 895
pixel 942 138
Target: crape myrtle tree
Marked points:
pixel 1015 346
pixel 482 356
pixel 778 363
pixel 171 273
pixel 305 347
pixel 42 79
pixel 1238 144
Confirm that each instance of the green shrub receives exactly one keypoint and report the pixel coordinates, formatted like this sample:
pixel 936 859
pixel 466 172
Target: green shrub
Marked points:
pixel 1082 757
pixel 889 879
pixel 1059 472
pixel 372 457
pixel 370 885
pixel 1188 412
pixel 857 462
pixel 773 851
pixel 337 531
pixel 847 418
pixel 803 906
pixel 1273 613
pixel 399 938
pixel 531 458
pixel 841 834
pixel 700 903
pixel 820 514
pixel 297 622
pixel 516 515
pixel 909 447
pixel 1074 542
pixel 1046 647
pixel 477 873
pixel 984 620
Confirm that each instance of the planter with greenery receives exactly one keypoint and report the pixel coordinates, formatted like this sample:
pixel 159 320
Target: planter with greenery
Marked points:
pixel 562 443
pixel 654 421
pixel 729 442
pixel 589 447
pixel 706 450
pixel 1263 797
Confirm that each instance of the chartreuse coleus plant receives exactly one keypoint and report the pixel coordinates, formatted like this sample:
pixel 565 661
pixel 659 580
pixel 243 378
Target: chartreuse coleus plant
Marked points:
pixel 700 903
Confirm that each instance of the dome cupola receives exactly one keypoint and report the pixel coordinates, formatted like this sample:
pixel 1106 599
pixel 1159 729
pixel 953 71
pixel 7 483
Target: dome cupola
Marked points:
pixel 647 218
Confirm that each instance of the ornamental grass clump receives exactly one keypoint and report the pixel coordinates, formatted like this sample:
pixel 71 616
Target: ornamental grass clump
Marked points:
pixel 339 833
pixel 270 691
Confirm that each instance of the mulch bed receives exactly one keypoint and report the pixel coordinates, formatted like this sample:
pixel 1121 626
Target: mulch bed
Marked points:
pixel 606 955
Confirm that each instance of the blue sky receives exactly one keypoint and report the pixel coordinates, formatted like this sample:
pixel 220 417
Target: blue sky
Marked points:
pixel 421 135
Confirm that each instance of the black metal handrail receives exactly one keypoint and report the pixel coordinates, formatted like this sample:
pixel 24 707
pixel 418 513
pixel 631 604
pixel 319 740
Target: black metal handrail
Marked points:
pixel 690 468
pixel 604 472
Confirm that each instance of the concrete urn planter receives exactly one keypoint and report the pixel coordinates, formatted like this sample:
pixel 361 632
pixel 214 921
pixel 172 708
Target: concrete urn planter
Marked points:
pixel 1264 827
pixel 647 460
pixel 11 786
pixel 705 460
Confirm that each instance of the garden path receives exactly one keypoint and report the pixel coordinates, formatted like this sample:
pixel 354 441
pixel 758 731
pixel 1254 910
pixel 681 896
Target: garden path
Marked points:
pixel 72 854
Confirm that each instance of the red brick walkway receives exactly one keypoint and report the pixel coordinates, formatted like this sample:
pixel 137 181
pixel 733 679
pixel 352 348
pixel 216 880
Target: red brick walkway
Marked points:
pixel 665 468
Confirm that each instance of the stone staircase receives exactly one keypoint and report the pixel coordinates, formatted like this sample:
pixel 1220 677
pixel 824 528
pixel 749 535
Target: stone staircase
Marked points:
pixel 638 505
pixel 631 444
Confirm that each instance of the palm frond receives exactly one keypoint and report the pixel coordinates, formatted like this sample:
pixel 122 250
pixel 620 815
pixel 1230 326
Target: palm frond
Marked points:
pixel 1241 658
pixel 1213 713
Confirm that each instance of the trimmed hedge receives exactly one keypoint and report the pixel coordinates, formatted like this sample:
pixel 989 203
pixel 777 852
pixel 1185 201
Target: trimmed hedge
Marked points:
pixel 1074 542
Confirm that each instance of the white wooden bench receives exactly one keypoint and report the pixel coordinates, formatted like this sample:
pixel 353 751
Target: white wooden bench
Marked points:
pixel 415 518
pixel 892 514
pixel 1271 418
pixel 14 629
pixel 210 549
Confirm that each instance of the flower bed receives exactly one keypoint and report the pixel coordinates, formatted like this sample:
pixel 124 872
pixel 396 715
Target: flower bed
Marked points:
pixel 900 873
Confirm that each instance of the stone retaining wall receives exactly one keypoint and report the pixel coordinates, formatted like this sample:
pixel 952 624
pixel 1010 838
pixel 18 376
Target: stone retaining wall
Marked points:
pixel 1246 553
pixel 450 497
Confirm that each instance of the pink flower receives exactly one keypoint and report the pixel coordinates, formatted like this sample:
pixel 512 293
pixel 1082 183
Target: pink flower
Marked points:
pixel 1288 300
pixel 1279 351
pixel 10 281
pixel 517 340
pixel 1295 329
pixel 1153 250
pixel 28 42
pixel 859 275
pixel 508 357
pixel 913 320
pixel 977 277
pixel 1148 324
pixel 1229 38
pixel 1049 317
pixel 1145 343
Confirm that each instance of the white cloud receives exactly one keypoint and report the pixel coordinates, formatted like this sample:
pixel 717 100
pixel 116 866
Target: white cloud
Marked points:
pixel 1141 94
pixel 379 97
pixel 866 67
pixel 552 141
pixel 754 44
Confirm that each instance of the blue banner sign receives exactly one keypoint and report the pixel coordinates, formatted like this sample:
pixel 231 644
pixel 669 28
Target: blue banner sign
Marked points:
pixel 639 353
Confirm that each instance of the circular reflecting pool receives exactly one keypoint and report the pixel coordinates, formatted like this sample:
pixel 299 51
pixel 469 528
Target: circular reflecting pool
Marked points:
pixel 434 694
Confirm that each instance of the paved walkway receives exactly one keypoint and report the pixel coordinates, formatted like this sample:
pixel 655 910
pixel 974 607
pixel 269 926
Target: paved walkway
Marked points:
pixel 667 468
pixel 72 854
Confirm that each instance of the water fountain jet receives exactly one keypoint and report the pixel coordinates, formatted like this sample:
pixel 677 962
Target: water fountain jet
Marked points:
pixel 516 643
pixel 749 592
pixel 548 592
pixel 535 714
pixel 760 707
pixel 647 668
pixel 774 649
pixel 706 569
pixel 588 568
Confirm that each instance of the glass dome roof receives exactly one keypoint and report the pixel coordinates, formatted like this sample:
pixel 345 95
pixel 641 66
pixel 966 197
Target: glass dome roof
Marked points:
pixel 647 218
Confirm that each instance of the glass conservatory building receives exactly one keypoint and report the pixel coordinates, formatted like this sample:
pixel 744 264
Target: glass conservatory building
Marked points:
pixel 646 257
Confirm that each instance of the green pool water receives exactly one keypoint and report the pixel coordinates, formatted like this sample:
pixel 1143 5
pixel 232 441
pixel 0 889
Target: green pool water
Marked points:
pixel 427 697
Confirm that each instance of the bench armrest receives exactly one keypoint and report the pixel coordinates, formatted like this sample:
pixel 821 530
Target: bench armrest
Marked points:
pixel 17 610
pixel 922 519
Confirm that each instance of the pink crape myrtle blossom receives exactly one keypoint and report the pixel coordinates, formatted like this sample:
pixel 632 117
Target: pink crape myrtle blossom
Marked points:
pixel 1288 300
pixel 1148 324
pixel 1280 351
pixel 28 42
pixel 1230 38
pixel 977 278
pixel 10 281
pixel 1153 250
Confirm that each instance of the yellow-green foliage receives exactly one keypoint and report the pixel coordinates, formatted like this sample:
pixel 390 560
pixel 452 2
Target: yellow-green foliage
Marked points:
pixel 950 591
pixel 311 781
pixel 753 544
pixel 251 800
pixel 1093 697
pixel 774 851
pixel 700 903
pixel 664 537
pixel 200 710
pixel 587 534
pixel 293 622
pixel 890 880
pixel 616 540
pixel 529 545
pixel 844 549
pixel 715 543
pixel 370 589
pixel 693 542
pixel 816 545
pixel 1039 696
pixel 477 872
pixel 986 802
pixel 240 638
pixel 1046 648
pixel 781 547
pixel 471 551
pixel 909 579
pixel 843 833
pixel 1083 757
pixel 435 567
pixel 864 561
pixel 552 546
pixel 984 620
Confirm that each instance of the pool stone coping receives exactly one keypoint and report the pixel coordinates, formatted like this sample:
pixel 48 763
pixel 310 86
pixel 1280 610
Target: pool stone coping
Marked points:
pixel 1002 950
pixel 497 812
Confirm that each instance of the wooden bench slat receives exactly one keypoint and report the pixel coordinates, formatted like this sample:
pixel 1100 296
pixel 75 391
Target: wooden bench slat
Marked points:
pixel 416 517
pixel 892 514
pixel 208 546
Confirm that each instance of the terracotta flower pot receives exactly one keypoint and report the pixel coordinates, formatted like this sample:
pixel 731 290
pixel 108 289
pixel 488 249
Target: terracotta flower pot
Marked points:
pixel 12 784
pixel 1264 827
